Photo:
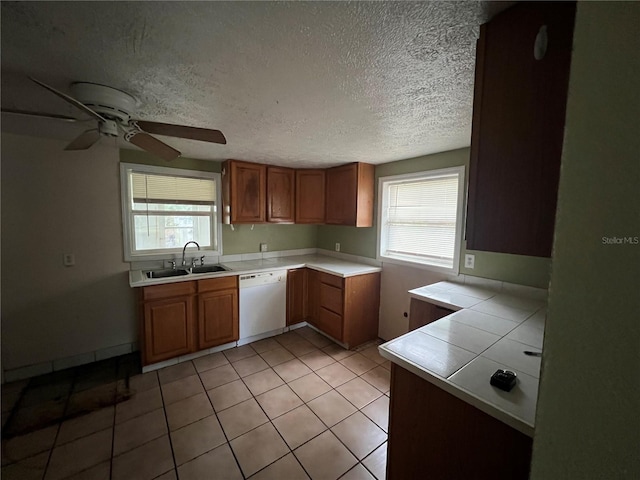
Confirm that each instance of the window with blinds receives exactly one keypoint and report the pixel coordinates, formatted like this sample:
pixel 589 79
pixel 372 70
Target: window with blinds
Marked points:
pixel 420 217
pixel 166 208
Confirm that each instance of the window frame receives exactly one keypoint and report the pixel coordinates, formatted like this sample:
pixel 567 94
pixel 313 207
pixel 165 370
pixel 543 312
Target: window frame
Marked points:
pixel 216 234
pixel 383 193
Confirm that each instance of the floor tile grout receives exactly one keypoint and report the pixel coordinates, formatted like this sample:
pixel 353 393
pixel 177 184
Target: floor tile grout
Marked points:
pixel 232 361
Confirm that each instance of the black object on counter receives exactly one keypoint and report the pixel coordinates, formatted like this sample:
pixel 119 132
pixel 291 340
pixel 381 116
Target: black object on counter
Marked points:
pixel 503 379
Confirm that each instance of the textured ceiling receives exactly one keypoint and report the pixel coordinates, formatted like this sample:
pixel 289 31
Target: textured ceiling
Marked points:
pixel 289 83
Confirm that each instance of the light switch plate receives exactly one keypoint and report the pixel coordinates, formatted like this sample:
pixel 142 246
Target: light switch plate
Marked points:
pixel 69 259
pixel 337 247
pixel 469 261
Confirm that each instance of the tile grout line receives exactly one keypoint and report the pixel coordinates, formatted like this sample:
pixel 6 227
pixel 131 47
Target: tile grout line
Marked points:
pixel 228 442
pixel 66 405
pixel 166 419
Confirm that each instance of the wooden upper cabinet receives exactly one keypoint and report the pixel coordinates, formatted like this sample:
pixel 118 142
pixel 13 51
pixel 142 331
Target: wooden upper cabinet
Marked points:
pixel 243 192
pixel 349 195
pixel 310 198
pixel 518 126
pixel 281 195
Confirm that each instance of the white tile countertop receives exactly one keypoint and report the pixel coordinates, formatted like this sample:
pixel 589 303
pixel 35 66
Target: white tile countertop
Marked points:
pixel 488 330
pixel 331 265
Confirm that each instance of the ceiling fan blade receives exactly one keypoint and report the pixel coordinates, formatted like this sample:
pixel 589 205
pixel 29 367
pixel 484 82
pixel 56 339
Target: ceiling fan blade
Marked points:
pixel 192 133
pixel 71 100
pixel 152 145
pixel 85 140
pixel 52 116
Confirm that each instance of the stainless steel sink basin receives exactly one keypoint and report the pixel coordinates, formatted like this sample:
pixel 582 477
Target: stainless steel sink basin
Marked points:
pixel 165 273
pixel 208 269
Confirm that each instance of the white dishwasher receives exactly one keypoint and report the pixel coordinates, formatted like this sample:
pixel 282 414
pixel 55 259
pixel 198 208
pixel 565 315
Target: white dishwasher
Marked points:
pixel 263 304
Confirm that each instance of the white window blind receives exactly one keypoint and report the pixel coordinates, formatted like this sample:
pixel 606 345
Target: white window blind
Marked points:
pixel 171 189
pixel 419 218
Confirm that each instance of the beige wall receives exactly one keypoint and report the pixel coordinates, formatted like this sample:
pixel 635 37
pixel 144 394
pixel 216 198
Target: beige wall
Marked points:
pixel 588 416
pixel 56 202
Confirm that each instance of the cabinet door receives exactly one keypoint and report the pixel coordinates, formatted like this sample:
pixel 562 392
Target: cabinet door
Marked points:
pixel 244 192
pixel 423 313
pixel 313 297
pixel 518 128
pixel 217 318
pixel 310 199
pixel 349 195
pixel 168 328
pixel 280 195
pixel 296 293
pixel 330 323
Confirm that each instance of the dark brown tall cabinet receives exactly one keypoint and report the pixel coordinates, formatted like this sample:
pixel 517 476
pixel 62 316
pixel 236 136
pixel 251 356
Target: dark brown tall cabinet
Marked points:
pixel 518 127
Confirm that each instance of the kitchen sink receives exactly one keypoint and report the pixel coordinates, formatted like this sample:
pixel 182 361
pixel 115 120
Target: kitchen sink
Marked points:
pixel 208 269
pixel 165 273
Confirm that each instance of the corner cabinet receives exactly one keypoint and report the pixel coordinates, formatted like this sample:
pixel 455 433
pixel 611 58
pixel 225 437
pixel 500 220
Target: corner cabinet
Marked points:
pixel 349 195
pixel 518 127
pixel 243 192
pixel 296 295
pixel 281 185
pixel 310 196
pixel 184 317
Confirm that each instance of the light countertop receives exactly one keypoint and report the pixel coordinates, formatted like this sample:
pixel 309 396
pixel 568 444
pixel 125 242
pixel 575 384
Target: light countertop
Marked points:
pixel 331 265
pixel 460 352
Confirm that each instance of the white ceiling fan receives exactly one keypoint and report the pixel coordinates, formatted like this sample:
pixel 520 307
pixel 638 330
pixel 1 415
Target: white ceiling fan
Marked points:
pixel 112 108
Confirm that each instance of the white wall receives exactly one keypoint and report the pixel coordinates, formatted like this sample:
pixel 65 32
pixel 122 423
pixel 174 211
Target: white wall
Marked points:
pixel 397 280
pixel 56 202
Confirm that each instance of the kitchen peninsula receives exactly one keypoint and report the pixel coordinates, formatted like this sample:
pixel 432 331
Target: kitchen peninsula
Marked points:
pixel 445 417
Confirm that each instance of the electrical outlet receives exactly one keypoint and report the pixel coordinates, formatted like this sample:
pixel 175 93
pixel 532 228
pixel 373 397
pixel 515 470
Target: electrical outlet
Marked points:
pixel 337 247
pixel 263 247
pixel 69 259
pixel 469 261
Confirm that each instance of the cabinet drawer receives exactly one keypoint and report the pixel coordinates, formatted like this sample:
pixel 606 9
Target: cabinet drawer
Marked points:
pixel 211 284
pixel 331 279
pixel 331 323
pixel 168 290
pixel 331 298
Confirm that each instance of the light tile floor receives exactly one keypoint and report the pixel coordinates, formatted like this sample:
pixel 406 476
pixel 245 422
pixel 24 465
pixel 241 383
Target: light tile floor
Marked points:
pixel 294 406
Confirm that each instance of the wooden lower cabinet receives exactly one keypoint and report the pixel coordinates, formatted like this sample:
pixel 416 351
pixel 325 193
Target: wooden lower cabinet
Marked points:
pixel 217 318
pixel 423 313
pixel 346 309
pixel 168 328
pixel 296 295
pixel 184 317
pixel 434 435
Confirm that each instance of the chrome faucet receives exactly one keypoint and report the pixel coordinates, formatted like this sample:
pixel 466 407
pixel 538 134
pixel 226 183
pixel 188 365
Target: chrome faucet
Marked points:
pixel 185 247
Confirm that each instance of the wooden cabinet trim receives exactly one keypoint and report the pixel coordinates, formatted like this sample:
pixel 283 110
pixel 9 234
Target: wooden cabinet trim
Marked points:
pixel 168 290
pixel 223 283
pixel 333 280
